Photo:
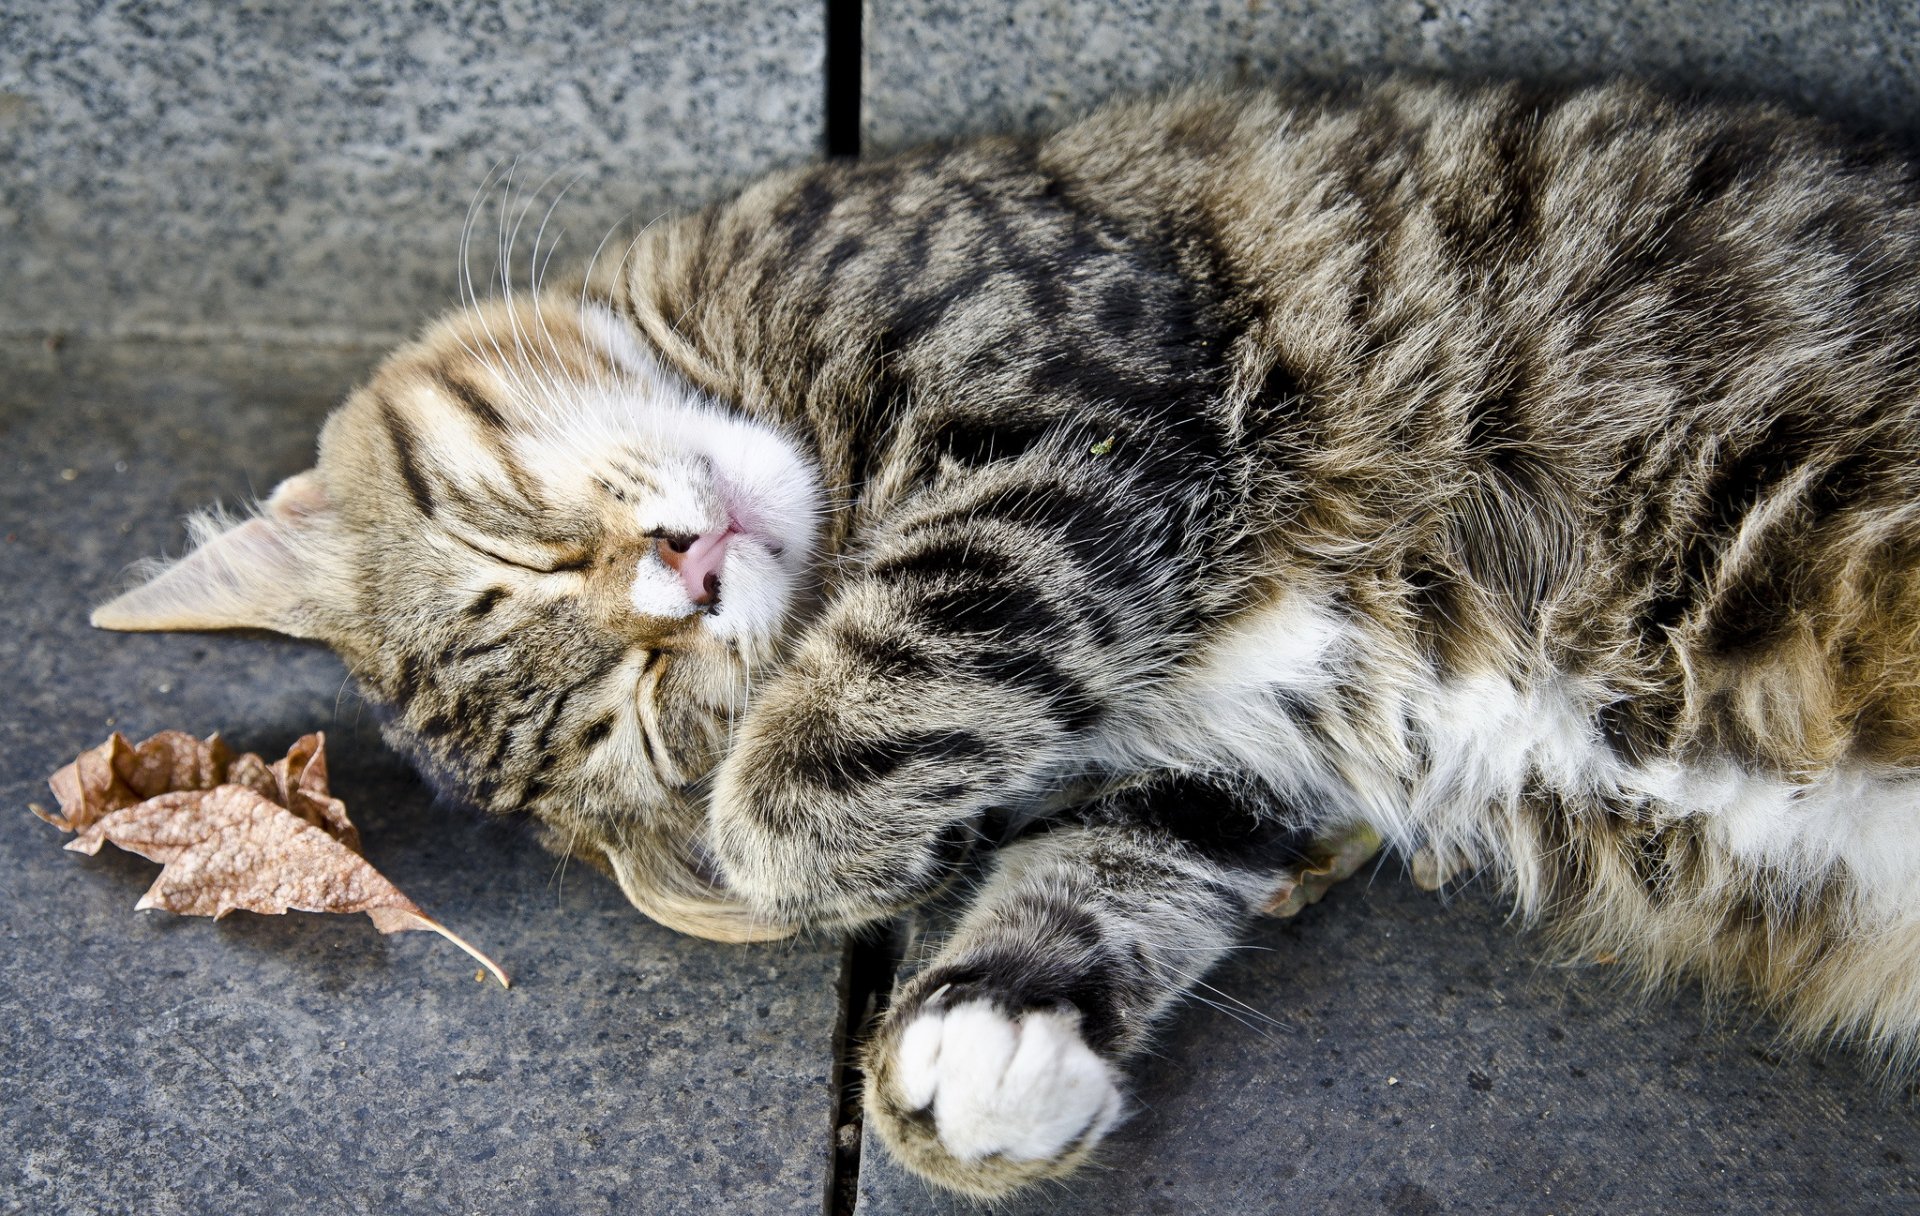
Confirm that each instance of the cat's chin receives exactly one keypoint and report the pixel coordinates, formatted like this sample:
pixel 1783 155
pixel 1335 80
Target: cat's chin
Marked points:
pixel 735 924
pixel 672 893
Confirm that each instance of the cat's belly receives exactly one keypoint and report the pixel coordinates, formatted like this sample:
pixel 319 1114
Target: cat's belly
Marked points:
pixel 1345 726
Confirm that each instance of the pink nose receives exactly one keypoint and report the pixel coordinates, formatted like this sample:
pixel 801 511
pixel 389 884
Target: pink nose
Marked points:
pixel 698 561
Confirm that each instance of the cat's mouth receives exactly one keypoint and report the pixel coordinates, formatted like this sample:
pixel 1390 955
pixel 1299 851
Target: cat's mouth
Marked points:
pixel 749 518
pixel 699 562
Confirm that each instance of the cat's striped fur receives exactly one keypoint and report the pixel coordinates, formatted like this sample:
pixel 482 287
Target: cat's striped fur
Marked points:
pixel 1534 478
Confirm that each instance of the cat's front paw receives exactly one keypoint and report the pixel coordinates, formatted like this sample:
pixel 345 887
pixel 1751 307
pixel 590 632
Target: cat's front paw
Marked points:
pixel 836 807
pixel 983 1101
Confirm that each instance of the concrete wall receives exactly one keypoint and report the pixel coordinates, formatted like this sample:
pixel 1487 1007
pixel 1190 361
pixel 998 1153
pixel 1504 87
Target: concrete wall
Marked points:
pixel 936 67
pixel 301 171
pixel 301 168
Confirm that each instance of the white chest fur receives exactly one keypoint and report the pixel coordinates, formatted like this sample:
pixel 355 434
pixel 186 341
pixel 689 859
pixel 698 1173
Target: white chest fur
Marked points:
pixel 1350 727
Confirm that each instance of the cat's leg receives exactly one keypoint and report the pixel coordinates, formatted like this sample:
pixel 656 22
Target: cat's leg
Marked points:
pixel 1000 1063
pixel 970 663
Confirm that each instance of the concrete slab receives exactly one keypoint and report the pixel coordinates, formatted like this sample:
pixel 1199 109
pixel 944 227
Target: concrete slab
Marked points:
pixel 301 169
pixel 940 67
pixel 161 1064
pixel 1390 1052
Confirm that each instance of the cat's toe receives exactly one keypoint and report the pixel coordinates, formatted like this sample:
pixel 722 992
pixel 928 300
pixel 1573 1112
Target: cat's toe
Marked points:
pixel 984 1102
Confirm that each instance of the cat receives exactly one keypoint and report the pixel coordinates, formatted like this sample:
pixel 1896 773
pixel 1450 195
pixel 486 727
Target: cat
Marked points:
pixel 1531 478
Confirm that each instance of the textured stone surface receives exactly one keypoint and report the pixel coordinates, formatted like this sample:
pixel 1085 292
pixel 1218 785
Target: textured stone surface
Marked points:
pixel 1388 1052
pixel 939 67
pixel 161 1064
pixel 303 169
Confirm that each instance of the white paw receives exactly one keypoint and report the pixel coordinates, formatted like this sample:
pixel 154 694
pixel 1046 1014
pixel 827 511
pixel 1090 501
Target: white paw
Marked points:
pixel 1025 1087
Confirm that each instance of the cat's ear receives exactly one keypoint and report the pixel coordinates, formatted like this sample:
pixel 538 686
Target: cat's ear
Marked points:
pixel 267 572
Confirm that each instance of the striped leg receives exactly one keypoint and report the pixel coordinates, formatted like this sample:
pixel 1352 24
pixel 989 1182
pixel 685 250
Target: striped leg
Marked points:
pixel 1000 1063
pixel 961 671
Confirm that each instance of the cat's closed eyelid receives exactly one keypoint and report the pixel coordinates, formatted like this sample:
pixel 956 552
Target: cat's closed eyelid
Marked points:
pixel 570 564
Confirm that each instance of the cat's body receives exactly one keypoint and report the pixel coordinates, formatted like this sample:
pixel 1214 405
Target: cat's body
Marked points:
pixel 1534 479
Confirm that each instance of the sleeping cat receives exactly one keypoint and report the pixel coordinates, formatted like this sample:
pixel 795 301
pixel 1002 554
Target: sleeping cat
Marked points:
pixel 1531 478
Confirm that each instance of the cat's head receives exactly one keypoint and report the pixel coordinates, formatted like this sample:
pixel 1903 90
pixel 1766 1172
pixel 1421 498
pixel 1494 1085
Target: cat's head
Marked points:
pixel 553 564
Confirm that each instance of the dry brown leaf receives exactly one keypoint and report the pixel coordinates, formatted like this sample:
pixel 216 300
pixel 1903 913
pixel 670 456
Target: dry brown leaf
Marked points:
pixel 118 774
pixel 232 831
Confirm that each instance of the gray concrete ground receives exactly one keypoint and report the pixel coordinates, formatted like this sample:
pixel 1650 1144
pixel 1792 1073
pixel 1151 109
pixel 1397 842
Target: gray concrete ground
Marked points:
pixel 1391 1052
pixel 286 183
pixel 161 1064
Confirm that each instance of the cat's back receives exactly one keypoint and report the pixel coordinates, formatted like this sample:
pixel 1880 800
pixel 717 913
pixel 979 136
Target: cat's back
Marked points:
pixel 1598 261
pixel 1599 381
pixel 1603 382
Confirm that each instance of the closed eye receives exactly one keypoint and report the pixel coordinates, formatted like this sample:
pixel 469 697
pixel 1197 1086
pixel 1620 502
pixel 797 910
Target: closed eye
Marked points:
pixel 566 566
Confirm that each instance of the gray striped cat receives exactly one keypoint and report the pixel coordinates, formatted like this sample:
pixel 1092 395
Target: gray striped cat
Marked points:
pixel 1531 479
